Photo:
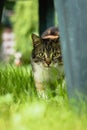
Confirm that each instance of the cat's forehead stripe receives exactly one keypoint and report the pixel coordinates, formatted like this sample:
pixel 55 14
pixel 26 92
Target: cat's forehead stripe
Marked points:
pixel 50 36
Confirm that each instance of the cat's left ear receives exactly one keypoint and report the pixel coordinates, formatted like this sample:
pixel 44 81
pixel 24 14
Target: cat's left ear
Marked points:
pixel 36 39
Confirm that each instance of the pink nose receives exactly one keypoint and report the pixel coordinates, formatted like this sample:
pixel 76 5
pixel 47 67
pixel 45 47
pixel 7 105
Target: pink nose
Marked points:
pixel 48 61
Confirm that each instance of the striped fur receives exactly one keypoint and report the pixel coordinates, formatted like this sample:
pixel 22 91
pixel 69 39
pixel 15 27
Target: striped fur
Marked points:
pixel 46 58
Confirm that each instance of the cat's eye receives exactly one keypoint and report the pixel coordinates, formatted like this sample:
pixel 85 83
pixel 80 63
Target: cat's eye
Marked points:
pixel 56 54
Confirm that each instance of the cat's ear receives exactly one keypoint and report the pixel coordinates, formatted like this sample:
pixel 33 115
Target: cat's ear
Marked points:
pixel 36 39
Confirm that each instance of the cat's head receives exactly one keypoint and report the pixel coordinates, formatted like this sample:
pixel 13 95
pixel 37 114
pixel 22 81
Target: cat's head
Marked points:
pixel 46 50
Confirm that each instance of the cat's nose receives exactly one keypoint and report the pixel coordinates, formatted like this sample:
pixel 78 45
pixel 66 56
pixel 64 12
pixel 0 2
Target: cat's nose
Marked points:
pixel 48 61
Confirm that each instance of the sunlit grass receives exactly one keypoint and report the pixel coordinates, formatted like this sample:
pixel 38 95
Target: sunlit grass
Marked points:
pixel 21 109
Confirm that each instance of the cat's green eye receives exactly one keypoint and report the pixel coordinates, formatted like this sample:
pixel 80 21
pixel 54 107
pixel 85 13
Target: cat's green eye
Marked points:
pixel 56 54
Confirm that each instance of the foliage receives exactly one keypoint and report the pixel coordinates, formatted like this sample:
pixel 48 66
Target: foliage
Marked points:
pixel 17 81
pixel 21 109
pixel 25 21
pixel 9 4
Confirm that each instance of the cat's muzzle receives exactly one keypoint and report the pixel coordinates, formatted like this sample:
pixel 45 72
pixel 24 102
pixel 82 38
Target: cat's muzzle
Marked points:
pixel 48 61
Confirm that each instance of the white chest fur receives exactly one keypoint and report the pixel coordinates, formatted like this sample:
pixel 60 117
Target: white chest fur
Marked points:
pixel 43 74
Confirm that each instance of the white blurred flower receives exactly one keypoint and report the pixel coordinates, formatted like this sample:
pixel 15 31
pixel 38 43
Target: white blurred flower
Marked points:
pixel 18 55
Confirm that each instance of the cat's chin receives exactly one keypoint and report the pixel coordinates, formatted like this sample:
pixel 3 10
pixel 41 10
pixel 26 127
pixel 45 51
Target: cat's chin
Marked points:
pixel 48 67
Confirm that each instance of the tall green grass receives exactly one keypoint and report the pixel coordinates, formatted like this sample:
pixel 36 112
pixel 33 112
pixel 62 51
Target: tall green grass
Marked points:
pixel 17 81
pixel 21 109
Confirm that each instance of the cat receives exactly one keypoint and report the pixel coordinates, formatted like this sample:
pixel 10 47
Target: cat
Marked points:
pixel 47 61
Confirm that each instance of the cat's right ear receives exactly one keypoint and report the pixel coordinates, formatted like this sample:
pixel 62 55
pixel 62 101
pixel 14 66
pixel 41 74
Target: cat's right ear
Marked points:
pixel 36 39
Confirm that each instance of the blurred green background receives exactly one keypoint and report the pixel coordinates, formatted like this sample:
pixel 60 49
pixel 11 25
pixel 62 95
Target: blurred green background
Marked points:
pixel 24 21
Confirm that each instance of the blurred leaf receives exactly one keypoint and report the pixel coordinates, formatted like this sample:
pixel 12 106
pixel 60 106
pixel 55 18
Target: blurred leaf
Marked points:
pixel 25 21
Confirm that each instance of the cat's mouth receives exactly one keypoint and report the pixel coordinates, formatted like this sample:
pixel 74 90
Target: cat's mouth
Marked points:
pixel 47 65
pixel 51 65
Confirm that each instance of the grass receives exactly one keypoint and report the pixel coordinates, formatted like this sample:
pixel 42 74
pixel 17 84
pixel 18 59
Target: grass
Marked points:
pixel 21 109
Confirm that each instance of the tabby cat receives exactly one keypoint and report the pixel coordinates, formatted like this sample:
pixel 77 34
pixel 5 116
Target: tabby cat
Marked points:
pixel 46 59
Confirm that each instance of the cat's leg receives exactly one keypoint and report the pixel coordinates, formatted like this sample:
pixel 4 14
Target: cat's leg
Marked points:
pixel 40 90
